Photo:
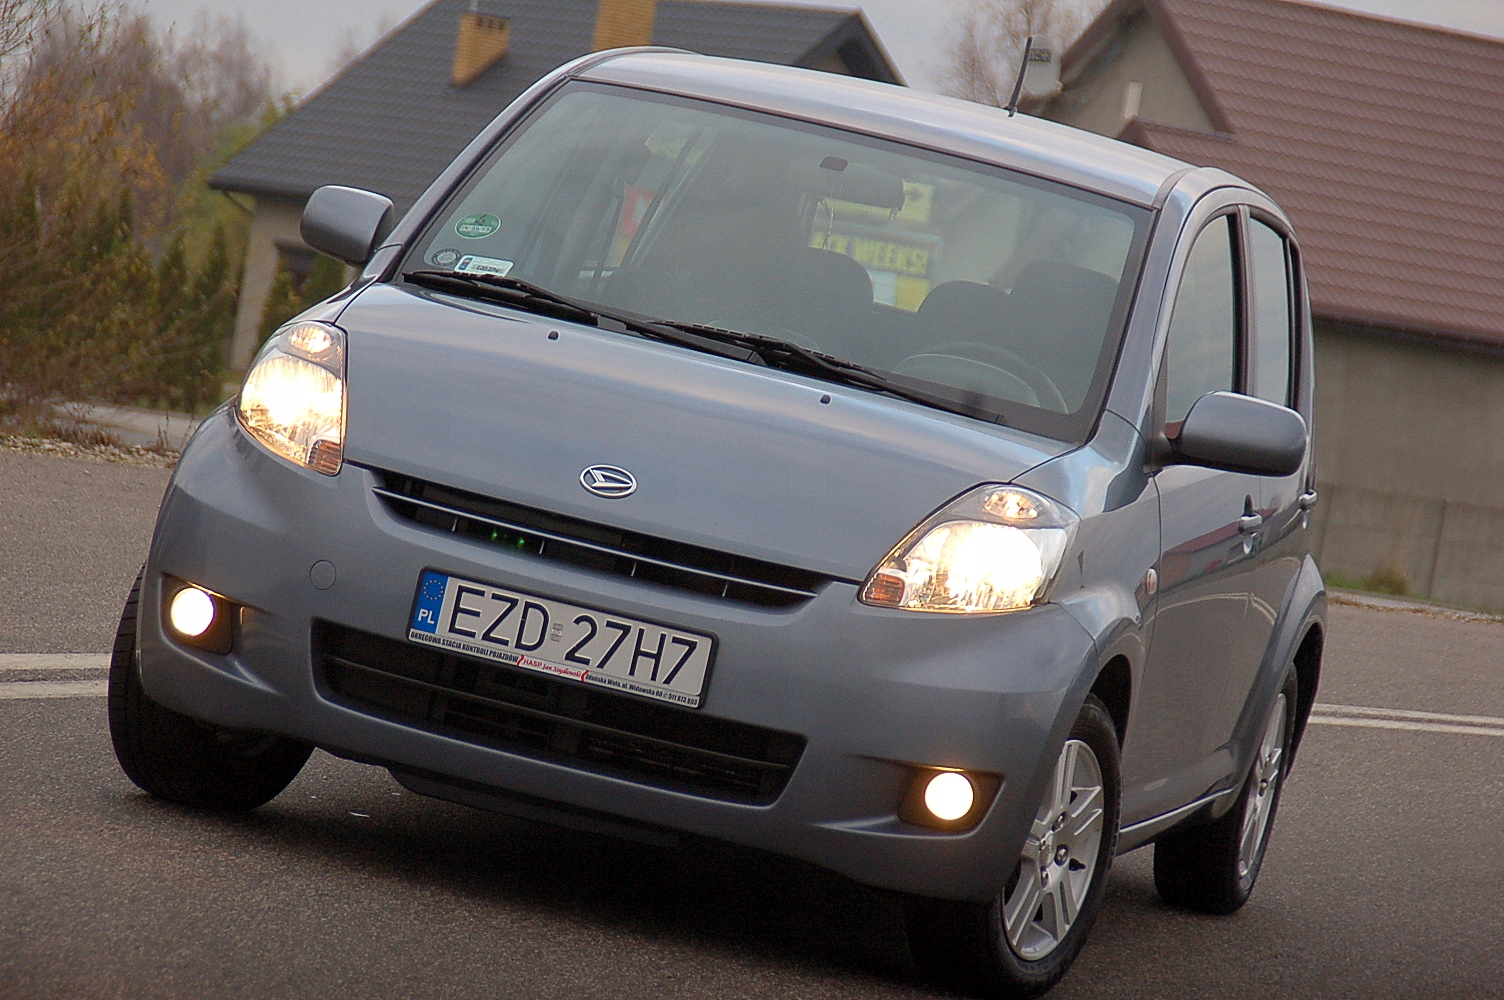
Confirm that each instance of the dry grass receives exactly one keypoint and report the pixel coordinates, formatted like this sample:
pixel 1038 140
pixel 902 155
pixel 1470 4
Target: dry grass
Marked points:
pixel 99 452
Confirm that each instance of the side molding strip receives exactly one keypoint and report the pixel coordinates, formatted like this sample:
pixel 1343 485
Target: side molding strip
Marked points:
pixel 1135 836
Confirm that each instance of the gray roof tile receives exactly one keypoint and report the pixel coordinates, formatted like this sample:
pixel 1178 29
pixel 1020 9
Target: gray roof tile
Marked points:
pixel 391 121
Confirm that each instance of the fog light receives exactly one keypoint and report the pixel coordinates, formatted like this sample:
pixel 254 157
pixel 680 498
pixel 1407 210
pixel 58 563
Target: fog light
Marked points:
pixel 949 796
pixel 192 612
pixel 197 617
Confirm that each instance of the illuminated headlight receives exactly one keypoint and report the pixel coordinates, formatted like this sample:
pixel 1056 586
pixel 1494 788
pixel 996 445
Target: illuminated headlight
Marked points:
pixel 996 548
pixel 293 400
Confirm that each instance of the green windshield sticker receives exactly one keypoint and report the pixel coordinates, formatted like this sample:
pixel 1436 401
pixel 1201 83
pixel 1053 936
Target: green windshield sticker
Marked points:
pixel 474 227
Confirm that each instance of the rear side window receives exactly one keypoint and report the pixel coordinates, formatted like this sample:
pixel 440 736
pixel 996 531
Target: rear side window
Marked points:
pixel 1203 349
pixel 1269 367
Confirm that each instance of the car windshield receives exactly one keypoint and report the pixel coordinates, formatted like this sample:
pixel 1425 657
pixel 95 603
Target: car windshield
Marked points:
pixel 965 281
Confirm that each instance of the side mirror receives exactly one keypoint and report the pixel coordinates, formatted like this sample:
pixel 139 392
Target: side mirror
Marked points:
pixel 1241 434
pixel 346 223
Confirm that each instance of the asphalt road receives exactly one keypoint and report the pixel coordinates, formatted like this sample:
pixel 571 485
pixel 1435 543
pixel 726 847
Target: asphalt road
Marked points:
pixel 1384 879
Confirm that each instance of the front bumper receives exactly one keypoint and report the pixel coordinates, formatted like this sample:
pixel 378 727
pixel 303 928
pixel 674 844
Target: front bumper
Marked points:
pixel 874 692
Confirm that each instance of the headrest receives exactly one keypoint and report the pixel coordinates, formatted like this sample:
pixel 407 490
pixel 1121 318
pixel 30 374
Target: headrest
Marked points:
pixel 826 276
pixel 969 310
pixel 1071 296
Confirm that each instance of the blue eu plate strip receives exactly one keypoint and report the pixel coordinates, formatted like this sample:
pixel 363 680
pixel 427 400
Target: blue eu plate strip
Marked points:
pixel 430 601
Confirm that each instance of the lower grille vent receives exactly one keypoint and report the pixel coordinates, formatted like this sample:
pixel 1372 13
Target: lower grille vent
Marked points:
pixel 527 713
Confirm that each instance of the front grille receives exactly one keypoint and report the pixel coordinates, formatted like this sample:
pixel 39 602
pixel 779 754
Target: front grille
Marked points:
pixel 595 546
pixel 539 716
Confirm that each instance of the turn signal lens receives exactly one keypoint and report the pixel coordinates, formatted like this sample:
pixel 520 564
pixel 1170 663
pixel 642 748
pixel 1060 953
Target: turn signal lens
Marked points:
pixel 191 612
pixel 949 795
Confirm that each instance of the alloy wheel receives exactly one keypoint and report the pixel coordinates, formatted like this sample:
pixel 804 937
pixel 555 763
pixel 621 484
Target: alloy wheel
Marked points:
pixel 1263 783
pixel 1059 857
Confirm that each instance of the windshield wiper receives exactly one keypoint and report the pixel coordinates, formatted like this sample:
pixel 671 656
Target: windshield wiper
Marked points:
pixel 509 291
pixel 789 356
pixel 523 294
pixel 771 351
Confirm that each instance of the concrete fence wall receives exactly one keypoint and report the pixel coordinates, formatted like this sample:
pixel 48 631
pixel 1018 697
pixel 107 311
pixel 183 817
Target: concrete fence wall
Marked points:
pixel 1449 552
pixel 1410 465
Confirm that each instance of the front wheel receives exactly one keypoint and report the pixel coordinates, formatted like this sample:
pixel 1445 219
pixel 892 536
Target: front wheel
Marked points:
pixel 1212 868
pixel 180 759
pixel 1022 942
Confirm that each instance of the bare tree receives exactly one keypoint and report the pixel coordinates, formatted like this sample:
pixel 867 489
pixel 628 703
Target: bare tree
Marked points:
pixel 222 71
pixel 21 21
pixel 355 43
pixel 989 41
pixel 172 96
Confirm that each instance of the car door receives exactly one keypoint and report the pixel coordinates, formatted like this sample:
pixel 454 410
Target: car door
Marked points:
pixel 1274 311
pixel 1202 633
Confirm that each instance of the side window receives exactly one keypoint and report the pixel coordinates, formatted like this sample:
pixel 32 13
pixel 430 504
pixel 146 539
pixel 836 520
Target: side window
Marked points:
pixel 1203 347
pixel 1269 367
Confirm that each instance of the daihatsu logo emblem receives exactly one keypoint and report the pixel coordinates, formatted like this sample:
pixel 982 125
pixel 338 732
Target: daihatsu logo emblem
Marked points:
pixel 608 481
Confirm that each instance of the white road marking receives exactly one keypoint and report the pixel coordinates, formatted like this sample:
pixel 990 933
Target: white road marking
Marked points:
pixel 16 662
pixel 1421 727
pixel 1407 720
pixel 1403 713
pixel 26 690
pixel 24 676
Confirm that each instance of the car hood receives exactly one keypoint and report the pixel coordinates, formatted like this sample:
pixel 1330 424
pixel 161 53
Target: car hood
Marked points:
pixel 727 455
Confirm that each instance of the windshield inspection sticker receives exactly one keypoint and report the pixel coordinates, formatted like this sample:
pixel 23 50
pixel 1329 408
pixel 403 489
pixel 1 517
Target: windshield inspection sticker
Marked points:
pixel 475 227
pixel 471 264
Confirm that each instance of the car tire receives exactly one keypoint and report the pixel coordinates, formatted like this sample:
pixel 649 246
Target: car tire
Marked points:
pixel 1020 944
pixel 1212 868
pixel 181 759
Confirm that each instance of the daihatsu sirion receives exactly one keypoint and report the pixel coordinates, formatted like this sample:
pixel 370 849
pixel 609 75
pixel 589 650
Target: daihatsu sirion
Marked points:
pixel 760 454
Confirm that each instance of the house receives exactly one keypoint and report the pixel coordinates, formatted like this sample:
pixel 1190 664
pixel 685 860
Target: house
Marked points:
pixel 1384 141
pixel 391 121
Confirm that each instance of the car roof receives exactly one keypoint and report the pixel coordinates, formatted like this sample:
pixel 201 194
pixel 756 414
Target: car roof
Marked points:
pixel 1019 142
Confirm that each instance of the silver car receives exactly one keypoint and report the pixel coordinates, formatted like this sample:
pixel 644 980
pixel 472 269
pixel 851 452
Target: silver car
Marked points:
pixel 753 453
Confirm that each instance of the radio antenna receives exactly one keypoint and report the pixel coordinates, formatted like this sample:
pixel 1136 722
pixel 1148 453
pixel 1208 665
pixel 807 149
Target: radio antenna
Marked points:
pixel 1018 85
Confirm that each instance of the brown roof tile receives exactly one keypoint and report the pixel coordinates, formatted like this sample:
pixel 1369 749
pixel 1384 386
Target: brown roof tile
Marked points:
pixel 1384 140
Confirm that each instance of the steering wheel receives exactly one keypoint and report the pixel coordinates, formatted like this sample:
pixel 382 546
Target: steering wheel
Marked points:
pixel 987 368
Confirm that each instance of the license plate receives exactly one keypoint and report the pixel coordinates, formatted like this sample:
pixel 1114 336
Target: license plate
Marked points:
pixel 565 640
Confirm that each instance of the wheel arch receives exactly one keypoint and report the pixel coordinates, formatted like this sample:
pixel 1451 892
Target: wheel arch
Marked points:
pixel 1307 662
pixel 1297 643
pixel 1114 688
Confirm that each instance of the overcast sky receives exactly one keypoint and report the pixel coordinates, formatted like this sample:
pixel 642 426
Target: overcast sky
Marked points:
pixel 305 38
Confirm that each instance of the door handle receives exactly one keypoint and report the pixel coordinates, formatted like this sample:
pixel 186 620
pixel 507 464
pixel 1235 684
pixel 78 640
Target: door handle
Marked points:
pixel 1249 523
pixel 1308 499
